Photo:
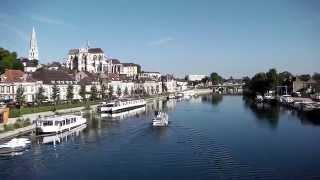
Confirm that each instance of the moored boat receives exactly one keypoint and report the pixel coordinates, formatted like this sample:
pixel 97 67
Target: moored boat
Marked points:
pixel 121 105
pixel 14 145
pixel 58 124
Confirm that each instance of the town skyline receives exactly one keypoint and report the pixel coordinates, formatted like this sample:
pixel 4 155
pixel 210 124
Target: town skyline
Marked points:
pixel 211 46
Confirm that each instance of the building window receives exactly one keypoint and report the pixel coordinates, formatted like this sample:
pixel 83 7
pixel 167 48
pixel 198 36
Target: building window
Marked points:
pixel 2 89
pixel 95 57
pixel 8 89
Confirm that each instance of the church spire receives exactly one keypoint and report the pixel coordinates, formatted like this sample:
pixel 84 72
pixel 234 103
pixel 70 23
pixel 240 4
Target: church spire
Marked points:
pixel 33 51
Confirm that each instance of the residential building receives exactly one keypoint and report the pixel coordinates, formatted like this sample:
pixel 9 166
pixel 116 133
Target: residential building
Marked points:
pixel 151 75
pixel 130 69
pixel 11 80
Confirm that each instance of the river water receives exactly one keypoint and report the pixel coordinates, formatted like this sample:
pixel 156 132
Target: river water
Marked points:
pixel 209 137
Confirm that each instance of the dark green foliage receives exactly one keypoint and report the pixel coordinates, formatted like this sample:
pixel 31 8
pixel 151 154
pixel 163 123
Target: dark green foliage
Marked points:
pixel 70 92
pixel 55 93
pixel 216 78
pixel 305 77
pixel 93 93
pixel 83 92
pixel 20 97
pixel 110 93
pixel 119 91
pixel 40 97
pixel 8 60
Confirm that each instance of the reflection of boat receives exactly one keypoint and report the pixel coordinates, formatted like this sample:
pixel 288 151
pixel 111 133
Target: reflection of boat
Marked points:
pixel 125 114
pixel 121 105
pixel 58 124
pixel 14 145
pixel 62 136
pixel 160 119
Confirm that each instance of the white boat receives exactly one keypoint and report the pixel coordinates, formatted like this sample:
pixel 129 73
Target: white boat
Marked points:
pixel 58 124
pixel 160 119
pixel 171 96
pixel 259 98
pixel 14 145
pixel 286 99
pixel 123 115
pixel 121 105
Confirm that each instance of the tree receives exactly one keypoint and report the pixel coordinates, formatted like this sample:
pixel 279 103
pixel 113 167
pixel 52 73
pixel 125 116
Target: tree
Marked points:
pixel 20 97
pixel 8 60
pixel 119 91
pixel 152 90
pixel 70 92
pixel 40 97
pixel 83 92
pixel 132 92
pixel 316 76
pixel 272 78
pixel 94 93
pixel 305 77
pixel 126 91
pixel 110 92
pixel 157 89
pixel 215 78
pixel 55 93
pixel 259 83
pixel 103 91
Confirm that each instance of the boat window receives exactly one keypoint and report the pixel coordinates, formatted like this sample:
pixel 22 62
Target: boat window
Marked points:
pixel 68 121
pixel 109 105
pixel 56 123
pixel 63 122
pixel 75 119
pixel 47 123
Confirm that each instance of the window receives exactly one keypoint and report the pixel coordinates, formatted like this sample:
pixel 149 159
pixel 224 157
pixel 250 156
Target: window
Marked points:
pixel 8 89
pixel 2 89
pixel 47 123
pixel 57 123
pixel 68 121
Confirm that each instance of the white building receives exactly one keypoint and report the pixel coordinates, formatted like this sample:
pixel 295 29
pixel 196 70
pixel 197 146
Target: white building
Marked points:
pixel 151 75
pixel 130 69
pixel 169 83
pixel 195 77
pixel 11 80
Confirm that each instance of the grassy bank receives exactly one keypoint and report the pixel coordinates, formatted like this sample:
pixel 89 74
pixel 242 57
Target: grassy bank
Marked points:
pixel 20 123
pixel 14 112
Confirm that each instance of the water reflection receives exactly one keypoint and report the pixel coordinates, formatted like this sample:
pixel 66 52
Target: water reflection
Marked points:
pixel 270 113
pixel 214 99
pixel 61 137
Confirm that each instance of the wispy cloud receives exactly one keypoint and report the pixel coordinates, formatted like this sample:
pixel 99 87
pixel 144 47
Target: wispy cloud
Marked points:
pixel 16 30
pixel 161 42
pixel 44 19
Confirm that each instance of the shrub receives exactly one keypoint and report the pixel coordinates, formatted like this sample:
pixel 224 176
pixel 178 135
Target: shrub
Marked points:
pixel 8 127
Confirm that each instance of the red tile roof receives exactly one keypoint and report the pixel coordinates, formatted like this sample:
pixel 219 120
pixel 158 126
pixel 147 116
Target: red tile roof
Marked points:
pixel 11 75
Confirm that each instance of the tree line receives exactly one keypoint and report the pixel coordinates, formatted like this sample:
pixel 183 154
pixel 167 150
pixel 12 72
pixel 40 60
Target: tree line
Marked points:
pixel 8 60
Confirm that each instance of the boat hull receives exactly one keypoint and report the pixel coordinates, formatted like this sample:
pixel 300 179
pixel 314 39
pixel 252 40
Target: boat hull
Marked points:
pixel 123 109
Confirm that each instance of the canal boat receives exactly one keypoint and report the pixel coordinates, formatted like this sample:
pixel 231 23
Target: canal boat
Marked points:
pixel 14 145
pixel 160 119
pixel 58 124
pixel 121 105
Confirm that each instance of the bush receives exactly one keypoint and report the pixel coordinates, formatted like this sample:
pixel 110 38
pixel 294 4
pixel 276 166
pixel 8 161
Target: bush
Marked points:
pixel 8 127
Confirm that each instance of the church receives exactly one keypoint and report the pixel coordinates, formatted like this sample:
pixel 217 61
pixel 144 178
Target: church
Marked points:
pixel 31 64
pixel 87 59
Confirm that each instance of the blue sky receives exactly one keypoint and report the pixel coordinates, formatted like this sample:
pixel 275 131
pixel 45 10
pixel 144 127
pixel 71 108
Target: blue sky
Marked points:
pixel 231 37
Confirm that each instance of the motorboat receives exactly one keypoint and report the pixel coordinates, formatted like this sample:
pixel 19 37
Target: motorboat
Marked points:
pixel 121 105
pixel 259 98
pixel 58 124
pixel 14 145
pixel 160 119
pixel 171 96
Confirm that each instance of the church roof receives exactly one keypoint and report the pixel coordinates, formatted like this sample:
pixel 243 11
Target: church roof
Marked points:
pixel 95 50
pixel 73 51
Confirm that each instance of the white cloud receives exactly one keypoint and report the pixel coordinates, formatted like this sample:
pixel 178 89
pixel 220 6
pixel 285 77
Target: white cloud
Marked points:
pixel 161 42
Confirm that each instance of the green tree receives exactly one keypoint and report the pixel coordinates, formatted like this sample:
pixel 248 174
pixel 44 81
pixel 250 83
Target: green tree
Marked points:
pixel 93 93
pixel 83 92
pixel 110 92
pixel 126 91
pixel 119 91
pixel 20 97
pixel 305 77
pixel 8 60
pixel 215 78
pixel 316 76
pixel 70 92
pixel 132 92
pixel 157 89
pixel 259 84
pixel 40 97
pixel 272 78
pixel 55 93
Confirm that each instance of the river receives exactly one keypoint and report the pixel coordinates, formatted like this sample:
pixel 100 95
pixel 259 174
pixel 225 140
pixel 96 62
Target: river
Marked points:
pixel 209 137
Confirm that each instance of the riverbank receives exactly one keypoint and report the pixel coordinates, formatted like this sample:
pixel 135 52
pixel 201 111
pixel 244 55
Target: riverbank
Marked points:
pixel 33 116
